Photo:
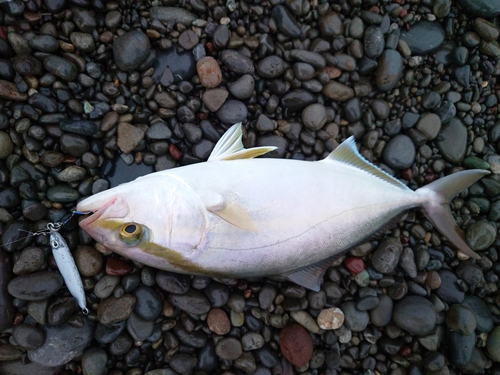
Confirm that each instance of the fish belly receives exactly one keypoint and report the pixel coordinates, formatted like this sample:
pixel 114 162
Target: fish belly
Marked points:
pixel 302 213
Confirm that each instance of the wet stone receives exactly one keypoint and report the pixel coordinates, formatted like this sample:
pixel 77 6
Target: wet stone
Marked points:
pixel 386 257
pixel 60 67
pixel 429 125
pixel 374 42
pixel 94 361
pixel 389 70
pixel 192 302
pixel 105 334
pixel 203 149
pixel 82 127
pixel 296 344
pixel 452 142
pixel 415 314
pixel 314 116
pixel 232 111
pixel 28 337
pixel 297 100
pixel 482 8
pixel 174 14
pixel 481 235
pixel 493 344
pixel 286 22
pixel 228 348
pixel 9 91
pixel 105 286
pixel 138 327
pixel 62 194
pixel 183 363
pixel 243 87
pixel 271 67
pixel 130 50
pixel 237 62
pixel 218 322
pixel 423 37
pixel 62 344
pixel 459 318
pixel 30 260
pixel 460 347
pixel 337 91
pixel 35 286
pixel 355 320
pixel 381 315
pixel 252 341
pixel 449 291
pixel 148 303
pixel 129 136
pixel 214 98
pixel 482 314
pixel 209 72
pixel 180 63
pixel 273 140
pixel 113 310
pixel 330 25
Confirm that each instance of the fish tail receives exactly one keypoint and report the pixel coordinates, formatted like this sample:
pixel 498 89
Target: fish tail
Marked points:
pixel 438 196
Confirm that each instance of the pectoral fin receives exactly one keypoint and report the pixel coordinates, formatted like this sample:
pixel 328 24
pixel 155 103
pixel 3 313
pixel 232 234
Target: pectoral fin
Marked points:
pixel 235 214
pixel 230 147
pixel 310 277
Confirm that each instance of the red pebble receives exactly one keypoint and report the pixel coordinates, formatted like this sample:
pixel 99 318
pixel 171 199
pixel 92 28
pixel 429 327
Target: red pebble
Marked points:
pixel 296 344
pixel 407 174
pixel 210 47
pixel 3 33
pixel 18 318
pixel 405 351
pixel 403 13
pixel 354 265
pixel 117 267
pixel 429 178
pixel 174 152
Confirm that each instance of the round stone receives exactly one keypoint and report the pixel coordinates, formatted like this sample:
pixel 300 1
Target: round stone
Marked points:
pixel 331 318
pixel 218 322
pixel 461 319
pixel 481 235
pixel 209 72
pixel 296 344
pixel 314 116
pixel 228 348
pixel 130 50
pixel 6 145
pixel 493 344
pixel 416 315
pixel 400 152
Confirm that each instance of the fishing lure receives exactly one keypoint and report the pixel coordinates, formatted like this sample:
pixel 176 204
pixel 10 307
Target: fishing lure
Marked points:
pixel 67 266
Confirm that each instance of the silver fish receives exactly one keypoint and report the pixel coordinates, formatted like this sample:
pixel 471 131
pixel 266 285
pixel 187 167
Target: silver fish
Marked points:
pixel 235 216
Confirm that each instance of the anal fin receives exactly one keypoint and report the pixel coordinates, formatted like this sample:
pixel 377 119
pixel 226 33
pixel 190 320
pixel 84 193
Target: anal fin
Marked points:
pixel 310 277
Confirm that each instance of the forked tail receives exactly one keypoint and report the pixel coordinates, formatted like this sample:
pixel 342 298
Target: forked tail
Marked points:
pixel 438 195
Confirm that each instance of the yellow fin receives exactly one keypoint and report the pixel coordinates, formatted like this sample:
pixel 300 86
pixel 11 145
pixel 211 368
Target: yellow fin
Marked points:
pixel 230 147
pixel 236 215
pixel 347 153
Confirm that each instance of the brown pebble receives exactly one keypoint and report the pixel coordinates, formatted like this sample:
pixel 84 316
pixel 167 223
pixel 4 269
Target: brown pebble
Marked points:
pixel 296 344
pixel 9 91
pixel 331 318
pixel 218 322
pixel 209 72
pixel 433 280
pixel 88 260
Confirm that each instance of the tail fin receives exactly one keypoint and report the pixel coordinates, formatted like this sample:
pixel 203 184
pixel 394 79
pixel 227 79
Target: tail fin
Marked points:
pixel 438 195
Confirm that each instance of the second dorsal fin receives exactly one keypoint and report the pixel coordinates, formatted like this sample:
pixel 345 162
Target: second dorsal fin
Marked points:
pixel 230 147
pixel 347 153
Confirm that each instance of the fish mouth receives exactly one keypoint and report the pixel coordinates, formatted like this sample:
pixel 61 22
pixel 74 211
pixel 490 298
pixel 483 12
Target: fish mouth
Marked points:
pixel 109 209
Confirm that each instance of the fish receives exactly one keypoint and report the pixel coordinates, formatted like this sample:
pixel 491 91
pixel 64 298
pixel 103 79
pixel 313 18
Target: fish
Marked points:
pixel 238 216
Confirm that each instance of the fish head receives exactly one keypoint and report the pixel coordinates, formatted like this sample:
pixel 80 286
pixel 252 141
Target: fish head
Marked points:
pixel 156 215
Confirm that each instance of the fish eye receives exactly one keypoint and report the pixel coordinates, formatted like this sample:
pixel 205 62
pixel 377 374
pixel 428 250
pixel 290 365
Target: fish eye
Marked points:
pixel 131 233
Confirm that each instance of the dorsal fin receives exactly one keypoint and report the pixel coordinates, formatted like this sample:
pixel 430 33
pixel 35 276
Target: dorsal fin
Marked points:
pixel 347 153
pixel 230 147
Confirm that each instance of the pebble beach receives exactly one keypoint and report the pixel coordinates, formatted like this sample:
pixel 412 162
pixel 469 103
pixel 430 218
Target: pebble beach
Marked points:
pixel 94 94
